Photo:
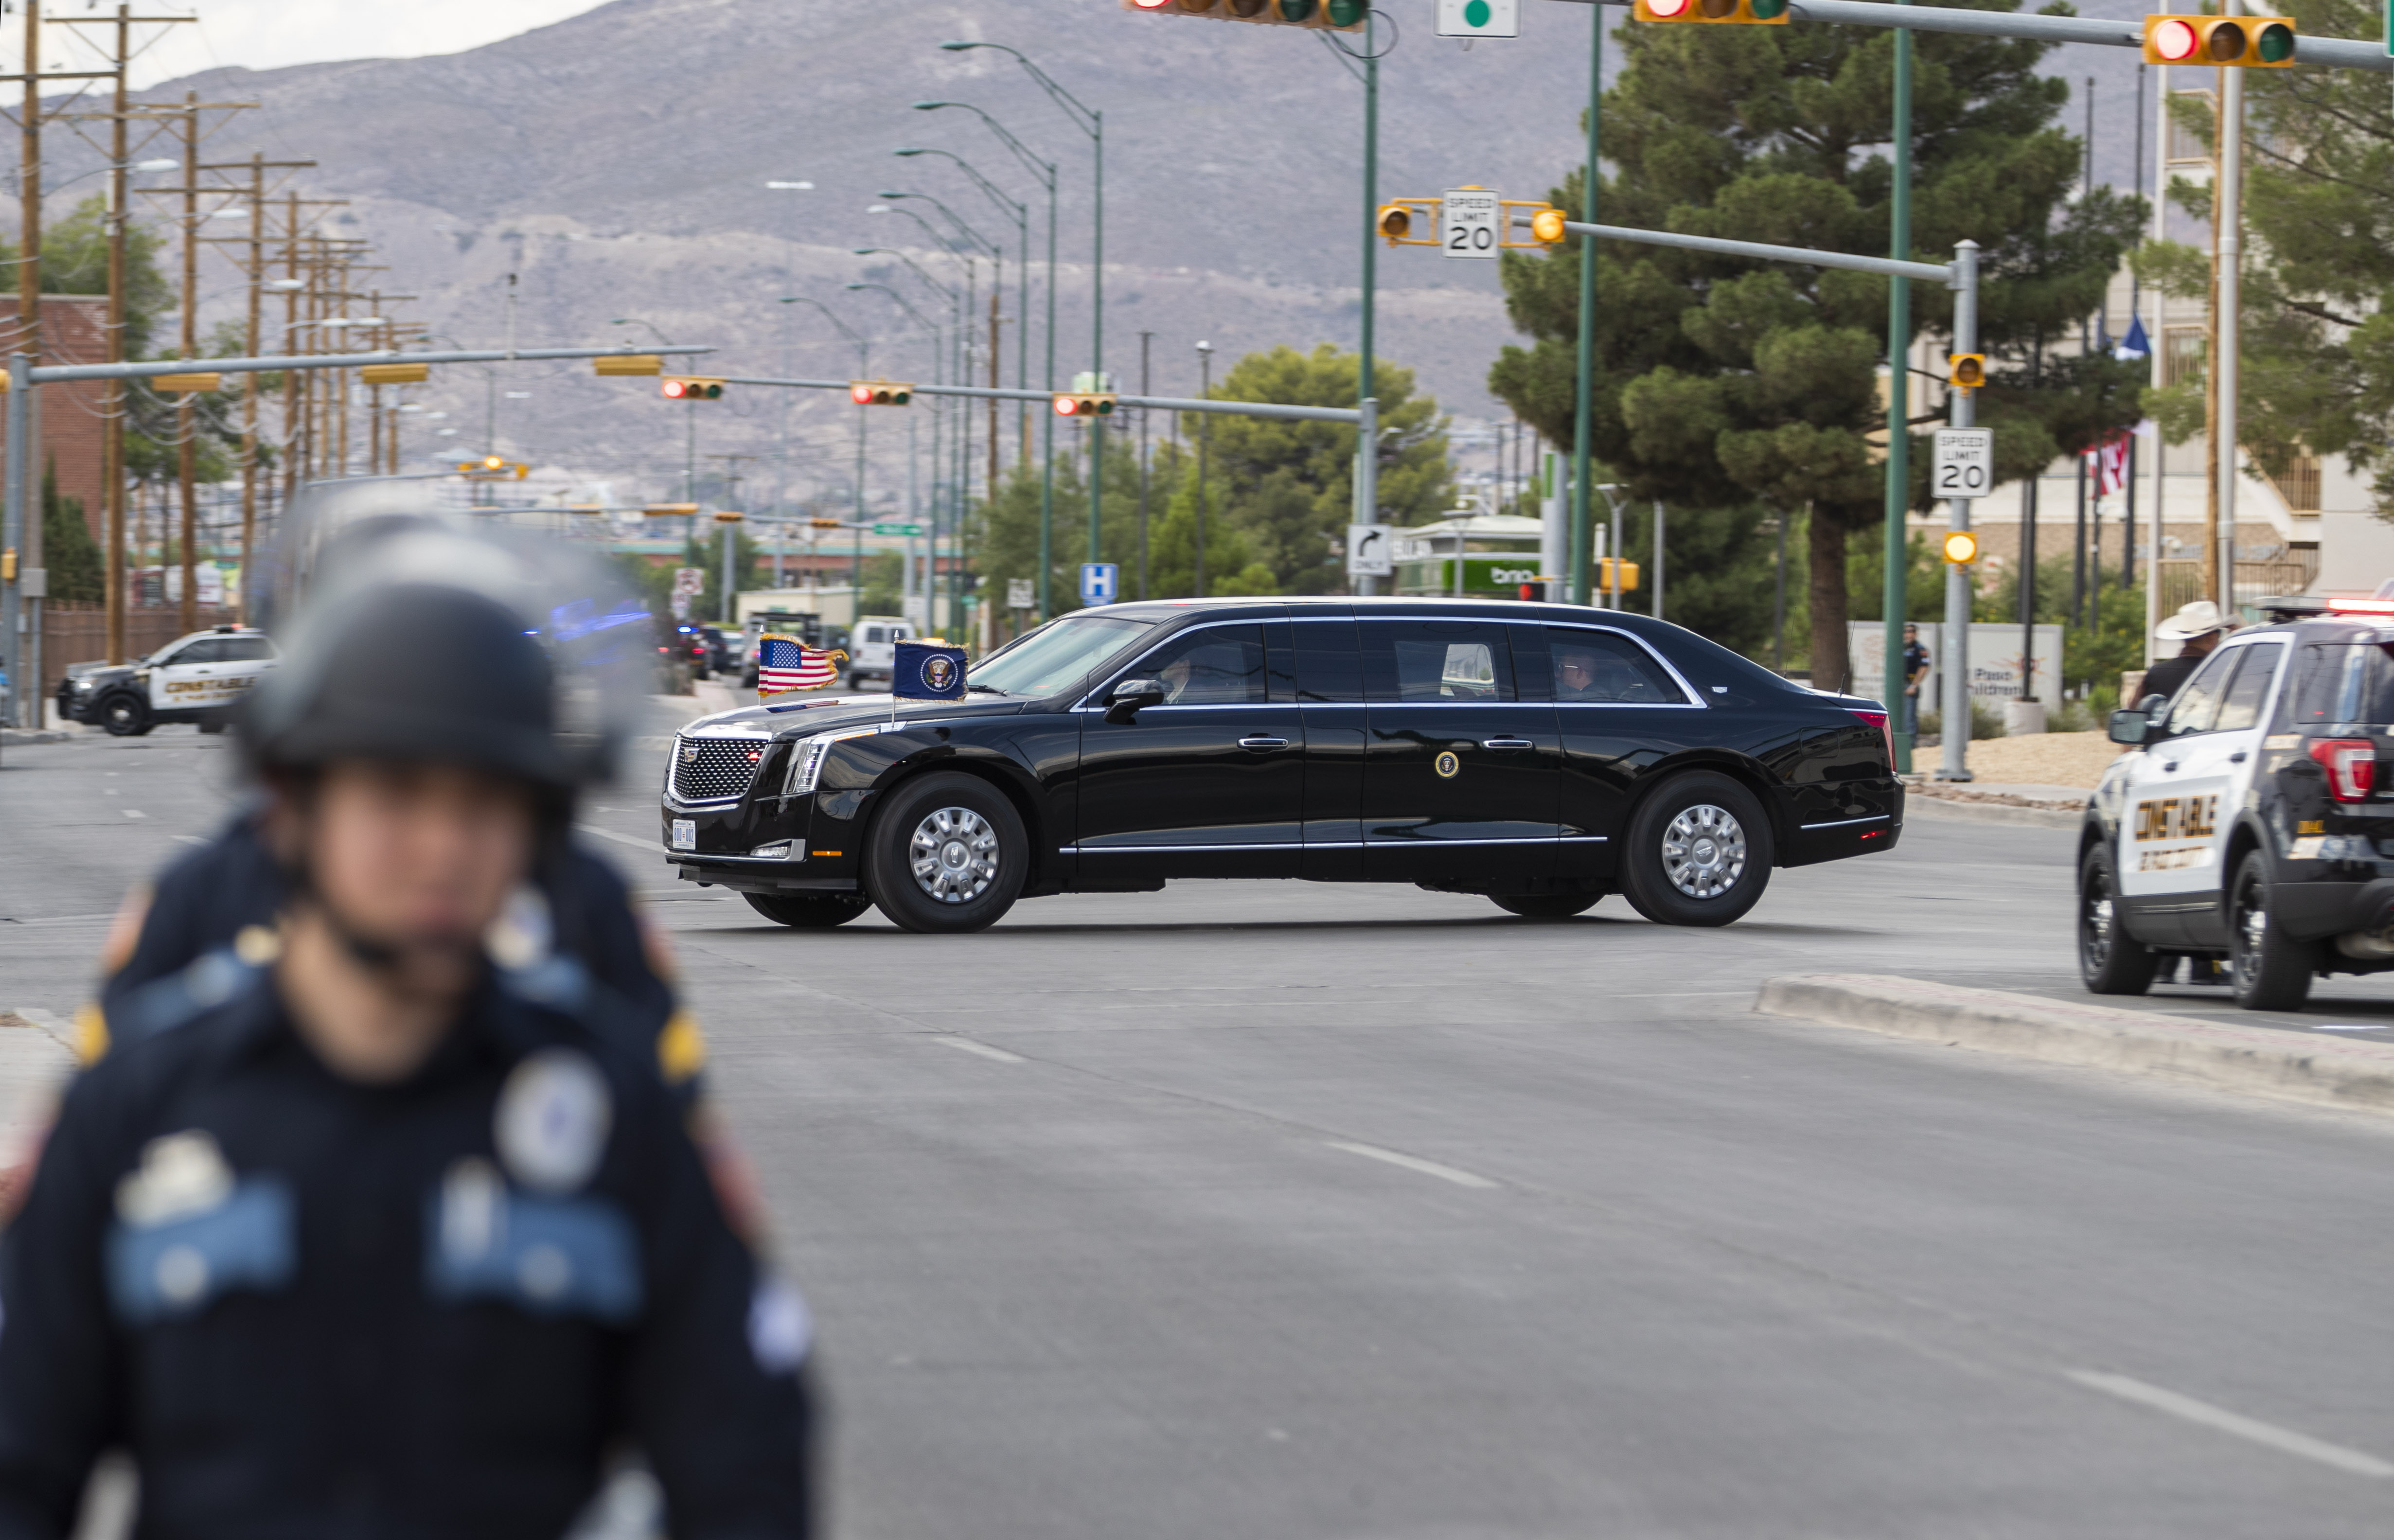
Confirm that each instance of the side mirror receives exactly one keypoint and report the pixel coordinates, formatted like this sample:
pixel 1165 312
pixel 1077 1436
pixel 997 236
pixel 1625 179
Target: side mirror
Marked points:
pixel 2155 706
pixel 1123 701
pixel 2129 727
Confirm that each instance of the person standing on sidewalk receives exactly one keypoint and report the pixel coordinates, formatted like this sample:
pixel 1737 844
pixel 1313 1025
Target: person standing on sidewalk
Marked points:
pixel 394 1231
pixel 1916 673
pixel 2198 628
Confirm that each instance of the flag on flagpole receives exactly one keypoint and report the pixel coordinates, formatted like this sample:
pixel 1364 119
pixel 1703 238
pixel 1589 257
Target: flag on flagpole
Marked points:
pixel 2136 344
pixel 784 663
pixel 2112 465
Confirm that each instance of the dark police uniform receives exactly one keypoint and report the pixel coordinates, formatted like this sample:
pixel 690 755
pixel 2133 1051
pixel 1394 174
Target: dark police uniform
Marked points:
pixel 204 900
pixel 310 1306
pixel 2165 677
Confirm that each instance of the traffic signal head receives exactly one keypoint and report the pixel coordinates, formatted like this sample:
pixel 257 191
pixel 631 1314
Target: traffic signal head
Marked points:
pixel 1085 404
pixel 1736 12
pixel 684 387
pixel 824 524
pixel 1961 548
pixel 879 392
pixel 1396 221
pixel 2250 42
pixel 1967 371
pixel 1546 227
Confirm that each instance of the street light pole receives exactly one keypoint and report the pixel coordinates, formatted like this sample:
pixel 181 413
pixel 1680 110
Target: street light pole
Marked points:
pixel 1584 390
pixel 1046 172
pixel 1022 212
pixel 1092 123
pixel 1894 599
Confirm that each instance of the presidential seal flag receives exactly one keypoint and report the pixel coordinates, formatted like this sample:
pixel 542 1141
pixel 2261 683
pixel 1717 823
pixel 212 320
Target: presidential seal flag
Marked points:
pixel 927 670
pixel 784 663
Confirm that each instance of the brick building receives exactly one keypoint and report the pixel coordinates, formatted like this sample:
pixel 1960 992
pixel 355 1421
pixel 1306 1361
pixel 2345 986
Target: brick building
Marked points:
pixel 74 330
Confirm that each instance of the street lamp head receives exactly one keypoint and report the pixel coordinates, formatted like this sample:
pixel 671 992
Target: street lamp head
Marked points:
pixel 862 285
pixel 878 208
pixel 791 187
pixel 284 285
pixel 910 150
pixel 157 165
pixel 934 106
pixel 958 47
pixel 1205 346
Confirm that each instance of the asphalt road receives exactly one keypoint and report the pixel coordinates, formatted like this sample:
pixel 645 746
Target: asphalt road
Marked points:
pixel 1276 1209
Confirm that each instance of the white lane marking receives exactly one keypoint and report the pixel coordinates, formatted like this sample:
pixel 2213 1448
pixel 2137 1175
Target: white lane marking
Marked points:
pixel 188 839
pixel 654 847
pixel 132 812
pixel 1427 1168
pixel 967 1046
pixel 2351 1026
pixel 2284 1439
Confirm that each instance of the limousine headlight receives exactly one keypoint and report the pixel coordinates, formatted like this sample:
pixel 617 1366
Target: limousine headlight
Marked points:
pixel 807 762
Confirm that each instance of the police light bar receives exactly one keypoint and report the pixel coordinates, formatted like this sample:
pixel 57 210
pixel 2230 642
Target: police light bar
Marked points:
pixel 2361 606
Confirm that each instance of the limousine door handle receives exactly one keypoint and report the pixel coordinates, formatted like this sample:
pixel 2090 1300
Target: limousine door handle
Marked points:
pixel 1507 742
pixel 1263 745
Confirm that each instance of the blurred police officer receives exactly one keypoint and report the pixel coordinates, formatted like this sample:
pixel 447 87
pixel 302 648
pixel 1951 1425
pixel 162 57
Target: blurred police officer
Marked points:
pixel 378 1237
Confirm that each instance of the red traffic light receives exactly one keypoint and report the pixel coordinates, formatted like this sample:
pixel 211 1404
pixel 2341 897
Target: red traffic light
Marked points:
pixel 1085 404
pixel 860 394
pixel 680 388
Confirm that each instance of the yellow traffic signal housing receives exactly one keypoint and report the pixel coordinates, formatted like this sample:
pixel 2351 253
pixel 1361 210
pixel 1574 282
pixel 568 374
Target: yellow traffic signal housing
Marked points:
pixel 1961 548
pixel 1966 371
pixel 880 393
pixel 729 515
pixel 1606 570
pixel 1345 15
pixel 669 511
pixel 395 373
pixel 630 363
pixel 825 524
pixel 1085 404
pixel 2242 42
pixel 584 508
pixel 1546 227
pixel 693 387
pixel 179 384
pixel 1399 218
pixel 1750 13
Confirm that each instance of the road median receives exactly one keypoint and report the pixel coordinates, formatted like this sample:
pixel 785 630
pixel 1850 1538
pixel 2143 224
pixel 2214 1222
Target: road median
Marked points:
pixel 2258 1060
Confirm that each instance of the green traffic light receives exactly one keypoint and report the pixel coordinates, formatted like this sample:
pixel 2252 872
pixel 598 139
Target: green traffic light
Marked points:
pixel 2277 43
pixel 1766 11
pixel 1345 13
pixel 1298 10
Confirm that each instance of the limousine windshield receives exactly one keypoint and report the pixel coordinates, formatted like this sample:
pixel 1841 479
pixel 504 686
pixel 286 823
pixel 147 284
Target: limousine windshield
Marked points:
pixel 1057 656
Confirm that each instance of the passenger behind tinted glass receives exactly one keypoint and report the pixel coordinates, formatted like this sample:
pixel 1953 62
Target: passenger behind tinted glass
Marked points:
pixel 1594 668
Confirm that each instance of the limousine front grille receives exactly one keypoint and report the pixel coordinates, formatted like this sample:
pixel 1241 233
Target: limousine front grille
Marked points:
pixel 713 769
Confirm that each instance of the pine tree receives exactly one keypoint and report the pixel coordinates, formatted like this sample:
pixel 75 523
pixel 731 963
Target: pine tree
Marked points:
pixel 1722 382
pixel 69 553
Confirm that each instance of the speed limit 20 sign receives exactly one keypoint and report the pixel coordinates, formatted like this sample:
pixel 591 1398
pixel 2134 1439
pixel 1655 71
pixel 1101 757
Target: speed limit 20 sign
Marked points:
pixel 1469 222
pixel 1964 465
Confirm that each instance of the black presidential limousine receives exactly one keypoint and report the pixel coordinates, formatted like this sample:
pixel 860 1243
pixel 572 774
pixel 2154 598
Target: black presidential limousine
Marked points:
pixel 1542 754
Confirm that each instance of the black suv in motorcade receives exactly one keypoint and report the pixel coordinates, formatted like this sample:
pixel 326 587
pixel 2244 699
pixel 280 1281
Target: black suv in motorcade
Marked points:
pixel 2257 821
pixel 1542 754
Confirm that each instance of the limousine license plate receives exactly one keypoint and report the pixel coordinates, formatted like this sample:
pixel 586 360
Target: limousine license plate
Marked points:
pixel 685 834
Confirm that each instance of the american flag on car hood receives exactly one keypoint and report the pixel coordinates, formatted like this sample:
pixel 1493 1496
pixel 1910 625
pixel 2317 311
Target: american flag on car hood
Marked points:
pixel 784 663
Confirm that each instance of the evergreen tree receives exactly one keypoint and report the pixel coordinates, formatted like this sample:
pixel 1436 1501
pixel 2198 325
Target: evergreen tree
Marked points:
pixel 1722 381
pixel 2317 366
pixel 69 553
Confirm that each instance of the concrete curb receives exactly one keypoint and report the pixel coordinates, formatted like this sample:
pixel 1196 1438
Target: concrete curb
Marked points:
pixel 1936 809
pixel 2260 1061
pixel 18 737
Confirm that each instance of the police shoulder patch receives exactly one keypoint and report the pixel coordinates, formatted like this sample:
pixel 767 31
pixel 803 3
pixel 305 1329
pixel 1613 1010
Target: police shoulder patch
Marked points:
pixel 553 1118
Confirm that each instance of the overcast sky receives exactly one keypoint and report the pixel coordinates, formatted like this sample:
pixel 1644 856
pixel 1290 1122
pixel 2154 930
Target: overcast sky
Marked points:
pixel 265 34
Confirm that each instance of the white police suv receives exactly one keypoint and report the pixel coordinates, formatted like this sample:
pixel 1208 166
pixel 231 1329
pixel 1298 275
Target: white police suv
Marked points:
pixel 2253 820
pixel 192 678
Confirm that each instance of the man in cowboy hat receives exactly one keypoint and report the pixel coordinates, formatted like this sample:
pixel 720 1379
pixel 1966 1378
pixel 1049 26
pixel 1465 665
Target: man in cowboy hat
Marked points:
pixel 2199 625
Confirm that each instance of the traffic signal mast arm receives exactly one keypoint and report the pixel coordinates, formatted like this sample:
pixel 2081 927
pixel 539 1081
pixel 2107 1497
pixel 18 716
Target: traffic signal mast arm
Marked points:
pixel 2335 53
pixel 1934 272
pixel 1155 403
pixel 53 374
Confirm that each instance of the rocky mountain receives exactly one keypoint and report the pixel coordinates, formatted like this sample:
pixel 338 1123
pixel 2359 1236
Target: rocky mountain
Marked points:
pixel 616 164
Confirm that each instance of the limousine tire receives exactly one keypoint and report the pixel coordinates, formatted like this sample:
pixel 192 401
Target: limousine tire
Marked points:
pixel 1699 851
pixel 947 853
pixel 808 911
pixel 1546 907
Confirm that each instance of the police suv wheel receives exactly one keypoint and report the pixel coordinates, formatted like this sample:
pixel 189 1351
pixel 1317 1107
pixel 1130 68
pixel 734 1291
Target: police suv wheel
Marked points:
pixel 808 911
pixel 2269 969
pixel 126 716
pixel 2110 960
pixel 1544 906
pixel 1698 851
pixel 947 853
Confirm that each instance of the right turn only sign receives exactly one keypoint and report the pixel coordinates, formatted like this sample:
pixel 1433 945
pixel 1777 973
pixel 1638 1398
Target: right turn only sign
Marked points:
pixel 1371 550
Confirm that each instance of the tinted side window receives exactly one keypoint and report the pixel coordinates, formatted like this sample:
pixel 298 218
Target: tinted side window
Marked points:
pixel 1327 668
pixel 1449 661
pixel 1220 666
pixel 2241 709
pixel 205 650
pixel 2198 702
pixel 1591 665
pixel 247 649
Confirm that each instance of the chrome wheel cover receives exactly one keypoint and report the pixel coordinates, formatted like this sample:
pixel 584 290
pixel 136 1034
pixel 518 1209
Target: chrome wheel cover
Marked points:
pixel 2252 925
pixel 955 855
pixel 1703 850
